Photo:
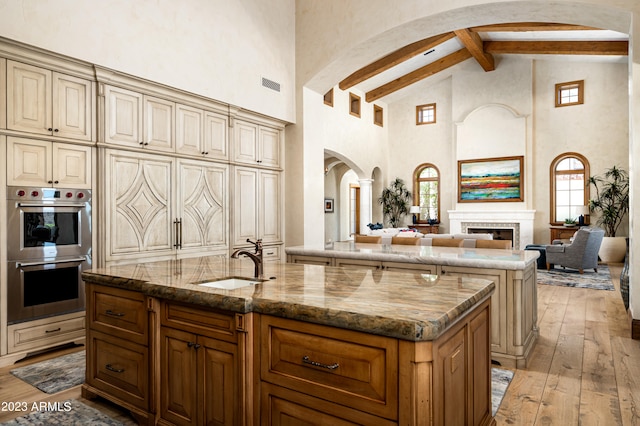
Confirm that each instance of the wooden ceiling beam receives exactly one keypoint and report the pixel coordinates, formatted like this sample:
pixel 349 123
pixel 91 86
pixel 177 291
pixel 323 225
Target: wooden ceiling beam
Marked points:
pixel 419 74
pixel 393 59
pixel 530 26
pixel 558 47
pixel 473 43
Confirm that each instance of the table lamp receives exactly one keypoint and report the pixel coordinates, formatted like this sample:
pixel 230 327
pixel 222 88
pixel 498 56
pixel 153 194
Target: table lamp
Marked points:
pixel 582 211
pixel 414 210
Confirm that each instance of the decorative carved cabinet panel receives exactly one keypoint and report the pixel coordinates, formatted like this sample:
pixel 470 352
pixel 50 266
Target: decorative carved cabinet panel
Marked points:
pixel 138 202
pixel 203 205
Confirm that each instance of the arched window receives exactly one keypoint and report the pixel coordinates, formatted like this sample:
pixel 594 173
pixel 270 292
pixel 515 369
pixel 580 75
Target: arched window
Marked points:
pixel 569 187
pixel 426 192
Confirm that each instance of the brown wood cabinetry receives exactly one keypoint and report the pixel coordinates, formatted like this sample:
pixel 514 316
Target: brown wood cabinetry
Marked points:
pixel 199 374
pixel 324 375
pixel 174 363
pixel 118 340
pixel 562 232
pixel 425 229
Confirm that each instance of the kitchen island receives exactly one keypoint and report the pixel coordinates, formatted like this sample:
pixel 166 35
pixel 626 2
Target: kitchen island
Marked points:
pixel 334 345
pixel 514 315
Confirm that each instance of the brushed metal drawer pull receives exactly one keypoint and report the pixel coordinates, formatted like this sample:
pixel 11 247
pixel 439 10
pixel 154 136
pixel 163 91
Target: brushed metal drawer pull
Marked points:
pixel 115 370
pixel 114 314
pixel 307 360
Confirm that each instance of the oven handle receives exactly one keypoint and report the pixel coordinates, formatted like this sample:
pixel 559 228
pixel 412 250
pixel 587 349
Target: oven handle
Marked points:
pixel 78 205
pixel 24 264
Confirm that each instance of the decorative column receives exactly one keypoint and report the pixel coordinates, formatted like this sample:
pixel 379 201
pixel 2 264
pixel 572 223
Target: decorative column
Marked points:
pixel 366 186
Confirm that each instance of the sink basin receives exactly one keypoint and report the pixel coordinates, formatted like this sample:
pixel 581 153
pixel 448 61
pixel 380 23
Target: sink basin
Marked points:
pixel 231 283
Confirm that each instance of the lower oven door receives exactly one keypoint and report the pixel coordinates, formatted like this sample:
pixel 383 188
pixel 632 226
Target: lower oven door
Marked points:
pixel 43 289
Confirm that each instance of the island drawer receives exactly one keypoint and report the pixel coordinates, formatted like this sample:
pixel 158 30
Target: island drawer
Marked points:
pixel 119 312
pixel 350 368
pixel 208 322
pixel 119 367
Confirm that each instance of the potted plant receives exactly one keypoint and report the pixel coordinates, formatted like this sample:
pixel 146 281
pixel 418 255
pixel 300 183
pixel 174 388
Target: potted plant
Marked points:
pixel 395 199
pixel 611 204
pixel 569 222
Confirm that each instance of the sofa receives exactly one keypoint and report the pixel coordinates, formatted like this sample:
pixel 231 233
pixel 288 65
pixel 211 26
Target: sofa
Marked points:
pixel 468 240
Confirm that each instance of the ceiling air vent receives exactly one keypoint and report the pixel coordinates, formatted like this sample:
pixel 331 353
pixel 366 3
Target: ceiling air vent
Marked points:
pixel 270 84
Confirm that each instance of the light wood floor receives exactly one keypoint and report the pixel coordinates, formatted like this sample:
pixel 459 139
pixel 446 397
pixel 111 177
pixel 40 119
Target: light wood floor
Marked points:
pixel 585 369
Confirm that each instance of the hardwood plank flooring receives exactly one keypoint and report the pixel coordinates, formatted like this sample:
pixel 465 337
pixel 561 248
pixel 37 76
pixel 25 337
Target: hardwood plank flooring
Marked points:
pixel 584 368
pixel 583 371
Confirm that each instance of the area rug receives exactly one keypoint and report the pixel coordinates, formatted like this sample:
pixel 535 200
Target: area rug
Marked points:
pixel 56 374
pixel 600 280
pixel 500 380
pixel 65 413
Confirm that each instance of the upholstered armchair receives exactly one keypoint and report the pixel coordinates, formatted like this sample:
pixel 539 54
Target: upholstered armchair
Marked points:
pixel 581 254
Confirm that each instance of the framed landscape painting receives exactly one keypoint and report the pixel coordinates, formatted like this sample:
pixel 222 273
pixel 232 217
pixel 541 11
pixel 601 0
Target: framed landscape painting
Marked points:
pixel 491 179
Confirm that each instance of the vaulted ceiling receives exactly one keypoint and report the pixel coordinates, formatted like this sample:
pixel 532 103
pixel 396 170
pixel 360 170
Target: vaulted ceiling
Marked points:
pixel 484 44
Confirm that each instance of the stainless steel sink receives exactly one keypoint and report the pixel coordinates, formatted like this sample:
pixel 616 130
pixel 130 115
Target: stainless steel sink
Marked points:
pixel 231 283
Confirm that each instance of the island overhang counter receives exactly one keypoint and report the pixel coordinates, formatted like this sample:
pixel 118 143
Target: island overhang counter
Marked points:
pixel 514 326
pixel 356 345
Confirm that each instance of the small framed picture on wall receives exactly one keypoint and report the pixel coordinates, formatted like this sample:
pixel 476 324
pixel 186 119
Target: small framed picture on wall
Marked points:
pixel 328 205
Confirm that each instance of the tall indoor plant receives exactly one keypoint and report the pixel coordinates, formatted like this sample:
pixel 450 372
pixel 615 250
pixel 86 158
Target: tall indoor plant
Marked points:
pixel 395 200
pixel 611 204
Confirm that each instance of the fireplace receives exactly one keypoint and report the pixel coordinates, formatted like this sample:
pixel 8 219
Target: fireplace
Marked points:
pixel 514 225
pixel 498 233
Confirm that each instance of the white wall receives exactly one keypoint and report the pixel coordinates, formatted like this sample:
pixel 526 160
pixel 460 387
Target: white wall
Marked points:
pixel 216 48
pixel 599 129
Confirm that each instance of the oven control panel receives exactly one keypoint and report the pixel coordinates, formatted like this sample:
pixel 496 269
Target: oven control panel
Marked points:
pixel 48 194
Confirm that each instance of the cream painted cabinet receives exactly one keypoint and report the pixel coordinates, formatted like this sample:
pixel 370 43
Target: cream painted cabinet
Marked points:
pixel 137 120
pixel 137 206
pixel 46 102
pixel 42 163
pixel 257 205
pixel 202 206
pixel 256 144
pixel 201 133
pixel 157 205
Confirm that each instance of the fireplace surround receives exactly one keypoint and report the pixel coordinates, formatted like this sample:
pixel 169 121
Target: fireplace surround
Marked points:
pixel 519 222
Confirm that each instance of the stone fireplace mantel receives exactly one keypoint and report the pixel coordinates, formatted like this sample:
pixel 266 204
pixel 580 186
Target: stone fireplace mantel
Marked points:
pixel 520 221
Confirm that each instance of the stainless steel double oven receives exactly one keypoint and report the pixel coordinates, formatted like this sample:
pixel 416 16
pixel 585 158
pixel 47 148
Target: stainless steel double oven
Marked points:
pixel 48 247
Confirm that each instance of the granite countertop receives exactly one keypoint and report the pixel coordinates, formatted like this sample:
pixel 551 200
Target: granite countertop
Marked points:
pixel 448 256
pixel 409 306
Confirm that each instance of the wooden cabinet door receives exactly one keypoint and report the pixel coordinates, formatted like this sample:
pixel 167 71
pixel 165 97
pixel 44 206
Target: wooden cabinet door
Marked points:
pixel 215 135
pixel 246 142
pixel 189 134
pixel 245 205
pixel 450 379
pixel 218 382
pixel 138 208
pixel 71 107
pixel 178 377
pixel 270 211
pixel 203 205
pixel 158 124
pixel 269 145
pixel 28 162
pixel 71 165
pixel 29 100
pixel 41 163
pixel 123 117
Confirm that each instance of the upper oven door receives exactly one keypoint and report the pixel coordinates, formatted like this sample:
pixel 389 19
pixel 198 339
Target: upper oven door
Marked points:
pixel 40 230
